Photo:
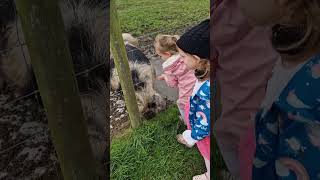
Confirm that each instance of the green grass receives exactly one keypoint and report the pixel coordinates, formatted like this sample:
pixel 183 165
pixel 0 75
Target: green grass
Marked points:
pixel 144 16
pixel 152 152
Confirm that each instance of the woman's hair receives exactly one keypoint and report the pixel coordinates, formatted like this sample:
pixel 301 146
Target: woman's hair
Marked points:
pixel 166 43
pixel 304 27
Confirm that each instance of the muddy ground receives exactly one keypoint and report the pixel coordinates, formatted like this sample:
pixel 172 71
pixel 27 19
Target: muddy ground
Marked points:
pixel 26 150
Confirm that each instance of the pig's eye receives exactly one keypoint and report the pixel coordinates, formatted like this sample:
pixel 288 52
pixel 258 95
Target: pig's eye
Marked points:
pixel 141 84
pixel 153 105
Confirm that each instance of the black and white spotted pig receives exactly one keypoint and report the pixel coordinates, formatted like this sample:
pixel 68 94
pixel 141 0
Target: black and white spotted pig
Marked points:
pixel 143 76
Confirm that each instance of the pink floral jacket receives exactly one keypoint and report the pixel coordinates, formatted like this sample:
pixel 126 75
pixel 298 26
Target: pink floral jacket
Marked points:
pixel 176 74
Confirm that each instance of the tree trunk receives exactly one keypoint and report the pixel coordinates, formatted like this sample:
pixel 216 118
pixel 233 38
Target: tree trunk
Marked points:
pixel 51 60
pixel 121 63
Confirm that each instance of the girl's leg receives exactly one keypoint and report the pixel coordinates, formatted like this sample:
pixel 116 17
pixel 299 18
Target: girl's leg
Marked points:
pixel 205 176
pixel 207 162
pixel 181 108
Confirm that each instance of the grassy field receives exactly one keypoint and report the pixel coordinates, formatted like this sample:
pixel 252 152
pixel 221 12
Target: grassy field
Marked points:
pixel 144 16
pixel 152 152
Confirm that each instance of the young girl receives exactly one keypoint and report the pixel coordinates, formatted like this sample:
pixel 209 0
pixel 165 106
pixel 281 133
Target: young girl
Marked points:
pixel 287 128
pixel 194 49
pixel 176 73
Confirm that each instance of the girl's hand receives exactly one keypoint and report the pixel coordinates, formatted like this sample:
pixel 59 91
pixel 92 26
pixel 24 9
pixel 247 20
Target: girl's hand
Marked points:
pixel 161 77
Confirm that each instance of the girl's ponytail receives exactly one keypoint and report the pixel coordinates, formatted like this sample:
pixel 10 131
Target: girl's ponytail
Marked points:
pixel 303 33
pixel 176 37
pixel 203 70
pixel 166 43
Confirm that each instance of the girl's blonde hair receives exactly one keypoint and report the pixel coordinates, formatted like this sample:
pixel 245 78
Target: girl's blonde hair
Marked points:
pixel 306 13
pixel 166 43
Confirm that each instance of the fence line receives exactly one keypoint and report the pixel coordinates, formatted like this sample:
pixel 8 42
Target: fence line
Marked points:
pixel 21 48
pixel 21 45
pixel 11 146
pixel 91 68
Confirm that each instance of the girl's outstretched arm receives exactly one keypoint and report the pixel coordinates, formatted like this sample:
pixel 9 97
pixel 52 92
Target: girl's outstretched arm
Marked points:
pixel 171 80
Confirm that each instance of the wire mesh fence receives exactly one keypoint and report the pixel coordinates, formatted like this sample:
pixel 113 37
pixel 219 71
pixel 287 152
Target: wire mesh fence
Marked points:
pixel 26 148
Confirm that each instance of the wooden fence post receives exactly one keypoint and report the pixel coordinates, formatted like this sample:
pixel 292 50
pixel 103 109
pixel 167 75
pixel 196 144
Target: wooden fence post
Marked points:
pixel 43 29
pixel 217 160
pixel 121 63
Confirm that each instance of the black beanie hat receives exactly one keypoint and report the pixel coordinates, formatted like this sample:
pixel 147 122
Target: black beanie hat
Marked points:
pixel 196 41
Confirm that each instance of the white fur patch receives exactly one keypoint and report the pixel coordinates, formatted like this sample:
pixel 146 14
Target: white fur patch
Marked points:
pixel 128 38
pixel 145 73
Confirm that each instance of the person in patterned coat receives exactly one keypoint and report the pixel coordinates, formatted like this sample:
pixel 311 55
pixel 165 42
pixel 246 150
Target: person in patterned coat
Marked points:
pixel 194 48
pixel 287 126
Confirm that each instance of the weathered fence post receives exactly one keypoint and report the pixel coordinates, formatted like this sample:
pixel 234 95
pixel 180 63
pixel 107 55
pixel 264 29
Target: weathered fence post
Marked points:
pixel 121 63
pixel 51 60
pixel 217 159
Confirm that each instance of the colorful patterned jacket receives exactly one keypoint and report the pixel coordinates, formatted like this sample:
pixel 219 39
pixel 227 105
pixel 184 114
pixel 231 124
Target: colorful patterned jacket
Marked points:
pixel 199 114
pixel 288 130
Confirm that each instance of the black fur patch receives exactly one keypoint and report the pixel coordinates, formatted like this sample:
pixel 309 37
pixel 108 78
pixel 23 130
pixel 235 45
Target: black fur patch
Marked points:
pixel 137 83
pixel 134 55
